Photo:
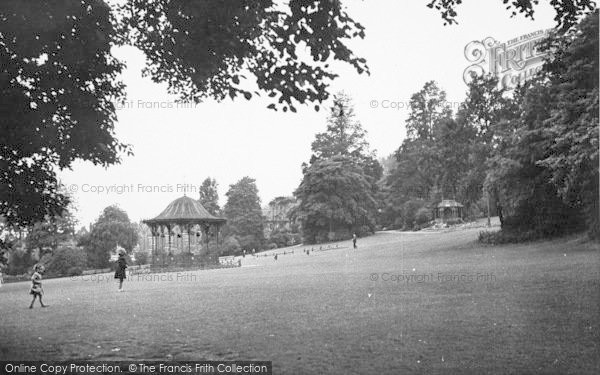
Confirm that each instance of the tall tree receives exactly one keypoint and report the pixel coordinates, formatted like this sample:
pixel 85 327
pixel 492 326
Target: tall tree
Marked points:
pixel 523 188
pixel 452 147
pixel 59 80
pixel 112 227
pixel 58 83
pixel 545 161
pixel 335 193
pixel 343 151
pixel 344 134
pixel 572 72
pixel 49 234
pixel 244 214
pixel 485 108
pixel 418 171
pixel 427 108
pixel 209 196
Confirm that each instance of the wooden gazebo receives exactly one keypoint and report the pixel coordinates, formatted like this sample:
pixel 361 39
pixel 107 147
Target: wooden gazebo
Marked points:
pixel 182 216
pixel 448 209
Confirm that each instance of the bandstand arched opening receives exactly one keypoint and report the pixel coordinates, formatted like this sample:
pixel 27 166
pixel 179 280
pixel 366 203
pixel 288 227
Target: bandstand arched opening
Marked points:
pixel 182 232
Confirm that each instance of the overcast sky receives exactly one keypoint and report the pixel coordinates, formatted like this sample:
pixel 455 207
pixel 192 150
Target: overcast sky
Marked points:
pixel 406 45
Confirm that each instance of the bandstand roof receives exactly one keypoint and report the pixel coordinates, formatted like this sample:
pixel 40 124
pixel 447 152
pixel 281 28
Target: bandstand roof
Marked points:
pixel 185 210
pixel 446 203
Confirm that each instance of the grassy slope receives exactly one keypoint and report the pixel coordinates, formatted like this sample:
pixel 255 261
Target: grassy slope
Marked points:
pixel 323 313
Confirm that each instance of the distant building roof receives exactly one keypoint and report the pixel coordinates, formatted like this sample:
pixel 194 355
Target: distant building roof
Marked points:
pixel 447 203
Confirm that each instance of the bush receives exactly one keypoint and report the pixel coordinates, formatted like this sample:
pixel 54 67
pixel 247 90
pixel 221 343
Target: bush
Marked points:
pixel 506 236
pixel 141 257
pixel 66 259
pixel 422 216
pixel 278 237
pixel 20 261
pixel 409 212
pixel 231 246
pixel 294 239
pixel 454 221
pixel 74 271
pixel 249 242
pixel 272 246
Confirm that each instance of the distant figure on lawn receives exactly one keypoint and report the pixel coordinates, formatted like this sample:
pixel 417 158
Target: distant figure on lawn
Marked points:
pixel 354 240
pixel 36 285
pixel 121 267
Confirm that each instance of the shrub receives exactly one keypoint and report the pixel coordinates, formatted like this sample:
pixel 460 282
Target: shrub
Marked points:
pixel 280 238
pixel 66 259
pixel 506 236
pixel 409 212
pixel 74 271
pixel 453 221
pixel 294 239
pixel 20 261
pixel 231 245
pixel 272 246
pixel 422 216
pixel 141 257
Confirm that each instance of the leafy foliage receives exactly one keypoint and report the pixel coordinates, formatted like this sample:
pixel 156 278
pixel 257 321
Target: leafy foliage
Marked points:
pixel 112 227
pixel 205 48
pixel 244 215
pixel 58 84
pixel 50 233
pixel 427 158
pixel 141 257
pixel 445 155
pixel 545 165
pixel 67 260
pixel 59 81
pixel 414 213
pixel 209 196
pixel 572 73
pixel 427 108
pixel 19 258
pixel 344 134
pixel 284 237
pixel 339 186
pixel 568 12
pixel 231 245
pixel 423 216
pixel 334 193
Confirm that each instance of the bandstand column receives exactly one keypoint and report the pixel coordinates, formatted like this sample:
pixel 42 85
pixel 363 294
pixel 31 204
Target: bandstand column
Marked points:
pixel 169 234
pixel 188 227
pixel 217 227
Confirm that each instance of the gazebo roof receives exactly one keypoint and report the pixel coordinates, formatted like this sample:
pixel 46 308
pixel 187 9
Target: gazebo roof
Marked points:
pixel 185 210
pixel 447 203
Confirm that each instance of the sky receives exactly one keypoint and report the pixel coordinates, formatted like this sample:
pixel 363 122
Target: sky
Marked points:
pixel 177 146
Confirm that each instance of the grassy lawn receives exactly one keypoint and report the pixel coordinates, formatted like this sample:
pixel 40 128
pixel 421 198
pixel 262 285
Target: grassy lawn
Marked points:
pixel 534 309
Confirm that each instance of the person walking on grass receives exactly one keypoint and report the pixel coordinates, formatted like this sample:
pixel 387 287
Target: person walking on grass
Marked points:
pixel 36 285
pixel 121 267
pixel 354 240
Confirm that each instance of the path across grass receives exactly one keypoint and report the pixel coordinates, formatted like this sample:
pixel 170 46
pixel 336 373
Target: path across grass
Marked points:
pixel 401 303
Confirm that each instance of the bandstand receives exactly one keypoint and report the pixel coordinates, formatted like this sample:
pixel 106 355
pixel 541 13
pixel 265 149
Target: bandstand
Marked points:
pixel 179 229
pixel 448 209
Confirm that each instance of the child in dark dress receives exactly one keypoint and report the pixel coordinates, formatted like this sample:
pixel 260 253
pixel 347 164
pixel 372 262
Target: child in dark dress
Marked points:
pixel 36 285
pixel 121 266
